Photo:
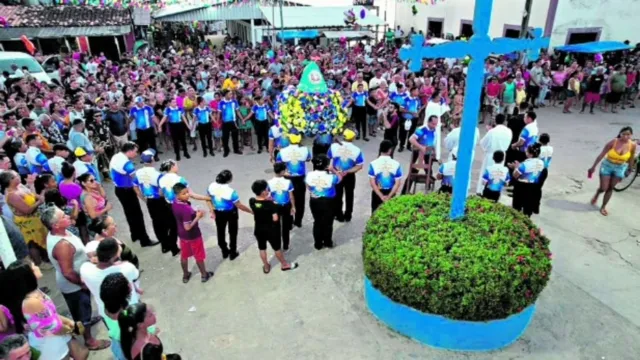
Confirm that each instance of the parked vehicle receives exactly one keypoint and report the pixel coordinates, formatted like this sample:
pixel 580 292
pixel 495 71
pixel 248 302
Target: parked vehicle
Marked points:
pixel 9 58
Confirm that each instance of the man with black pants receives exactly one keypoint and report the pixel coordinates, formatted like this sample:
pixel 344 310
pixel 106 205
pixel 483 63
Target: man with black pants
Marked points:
pixel 359 100
pixel 281 190
pixel 204 115
pixel 533 90
pixel 177 125
pixel 148 190
pixel 122 171
pixel 410 109
pixel 295 157
pixel 346 161
pixel 260 113
pixel 144 119
pixel 228 108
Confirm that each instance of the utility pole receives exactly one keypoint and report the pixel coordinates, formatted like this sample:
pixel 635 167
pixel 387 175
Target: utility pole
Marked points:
pixel 281 23
pixel 273 26
pixel 524 29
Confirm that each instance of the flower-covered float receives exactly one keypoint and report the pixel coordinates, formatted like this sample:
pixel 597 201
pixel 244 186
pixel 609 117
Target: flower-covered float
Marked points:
pixel 311 108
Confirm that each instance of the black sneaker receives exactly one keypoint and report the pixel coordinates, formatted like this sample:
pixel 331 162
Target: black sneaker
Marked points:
pixel 175 252
pixel 225 154
pixel 186 155
pixel 259 151
pixel 400 149
pixel 318 246
pixel 212 153
pixel 150 243
pixel 225 254
pixel 204 154
pixel 347 218
pixel 234 255
pixel 365 139
pixel 238 152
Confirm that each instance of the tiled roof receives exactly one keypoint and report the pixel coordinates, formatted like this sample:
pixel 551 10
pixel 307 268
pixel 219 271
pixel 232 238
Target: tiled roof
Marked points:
pixel 64 16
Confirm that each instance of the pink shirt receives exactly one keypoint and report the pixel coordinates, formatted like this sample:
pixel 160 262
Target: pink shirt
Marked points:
pixel 493 89
pixel 559 77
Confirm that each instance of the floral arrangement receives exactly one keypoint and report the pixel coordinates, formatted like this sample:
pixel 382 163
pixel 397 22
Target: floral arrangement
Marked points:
pixel 312 107
pixel 490 265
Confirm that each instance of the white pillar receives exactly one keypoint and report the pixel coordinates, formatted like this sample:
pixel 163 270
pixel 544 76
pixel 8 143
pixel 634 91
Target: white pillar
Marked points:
pixel 252 33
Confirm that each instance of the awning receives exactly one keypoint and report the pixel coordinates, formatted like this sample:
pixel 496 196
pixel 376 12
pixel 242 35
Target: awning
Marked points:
pixel 58 32
pixel 348 34
pixel 293 34
pixel 594 47
pixel 304 17
pixel 211 13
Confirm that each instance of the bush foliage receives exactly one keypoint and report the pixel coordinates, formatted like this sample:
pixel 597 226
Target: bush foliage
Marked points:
pixel 491 264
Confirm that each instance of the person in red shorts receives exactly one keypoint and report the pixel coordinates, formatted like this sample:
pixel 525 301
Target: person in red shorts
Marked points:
pixel 189 235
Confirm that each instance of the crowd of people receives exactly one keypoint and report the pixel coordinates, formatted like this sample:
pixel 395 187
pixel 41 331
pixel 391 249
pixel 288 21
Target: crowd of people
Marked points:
pixel 61 142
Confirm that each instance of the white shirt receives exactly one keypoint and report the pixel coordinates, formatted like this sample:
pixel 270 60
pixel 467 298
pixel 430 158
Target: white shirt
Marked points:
pixel 453 139
pixel 92 277
pixel 498 138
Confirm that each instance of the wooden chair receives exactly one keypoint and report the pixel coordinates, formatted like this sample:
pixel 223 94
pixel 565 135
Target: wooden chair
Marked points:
pixel 418 177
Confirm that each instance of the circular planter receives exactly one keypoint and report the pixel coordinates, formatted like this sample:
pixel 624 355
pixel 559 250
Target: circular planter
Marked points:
pixel 443 333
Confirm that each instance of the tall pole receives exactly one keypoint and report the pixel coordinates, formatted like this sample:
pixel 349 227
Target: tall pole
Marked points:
pixel 273 26
pixel 281 23
pixel 524 28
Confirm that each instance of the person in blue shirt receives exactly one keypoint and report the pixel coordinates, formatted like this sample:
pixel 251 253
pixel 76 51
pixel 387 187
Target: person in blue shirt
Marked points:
pixel 277 140
pixel 228 108
pixel 359 101
pixel 546 153
pixel 410 108
pixel 322 187
pixel 204 116
pixel 526 191
pixel 528 136
pixel 145 123
pixel 122 173
pixel 177 126
pixel 35 158
pixel 226 202
pixel 495 177
pixel 385 175
pixel 346 161
pixel 296 157
pixel 447 173
pixel 281 190
pixel 322 141
pixel 147 187
pixel 260 114
pixel 399 95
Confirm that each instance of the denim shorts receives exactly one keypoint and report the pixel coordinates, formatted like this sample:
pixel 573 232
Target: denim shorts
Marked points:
pixel 607 168
pixel 116 349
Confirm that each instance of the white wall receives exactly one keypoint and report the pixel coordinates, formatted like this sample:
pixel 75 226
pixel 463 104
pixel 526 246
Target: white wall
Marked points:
pixel 619 19
pixel 504 12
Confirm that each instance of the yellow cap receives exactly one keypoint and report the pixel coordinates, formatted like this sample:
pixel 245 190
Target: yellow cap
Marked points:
pixel 80 152
pixel 349 134
pixel 295 138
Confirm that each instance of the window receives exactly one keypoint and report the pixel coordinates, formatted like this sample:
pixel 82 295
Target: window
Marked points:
pixel 466 28
pixel 579 38
pixel 435 26
pixel 512 33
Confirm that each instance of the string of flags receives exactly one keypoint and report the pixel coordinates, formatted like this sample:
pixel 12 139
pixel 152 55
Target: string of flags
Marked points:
pixel 159 4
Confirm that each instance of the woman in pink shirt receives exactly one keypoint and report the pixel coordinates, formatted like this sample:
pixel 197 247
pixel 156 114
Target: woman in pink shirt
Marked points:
pixel 491 101
pixel 632 76
pixel 559 76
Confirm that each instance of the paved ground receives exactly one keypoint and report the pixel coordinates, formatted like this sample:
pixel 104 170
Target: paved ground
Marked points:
pixel 588 311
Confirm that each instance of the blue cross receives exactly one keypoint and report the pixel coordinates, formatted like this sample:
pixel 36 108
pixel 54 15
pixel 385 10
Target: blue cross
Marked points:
pixel 479 47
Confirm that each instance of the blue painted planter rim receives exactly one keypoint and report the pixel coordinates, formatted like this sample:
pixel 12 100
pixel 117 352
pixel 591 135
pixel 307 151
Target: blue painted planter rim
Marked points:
pixel 443 333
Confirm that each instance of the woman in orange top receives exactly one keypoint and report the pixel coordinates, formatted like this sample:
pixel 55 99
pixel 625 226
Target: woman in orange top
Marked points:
pixel 619 160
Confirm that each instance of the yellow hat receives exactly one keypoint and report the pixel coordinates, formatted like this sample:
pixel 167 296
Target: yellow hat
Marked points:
pixel 349 134
pixel 295 138
pixel 80 152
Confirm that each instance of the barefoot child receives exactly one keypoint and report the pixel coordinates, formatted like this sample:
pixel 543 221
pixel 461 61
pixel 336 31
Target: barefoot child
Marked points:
pixel 265 214
pixel 190 237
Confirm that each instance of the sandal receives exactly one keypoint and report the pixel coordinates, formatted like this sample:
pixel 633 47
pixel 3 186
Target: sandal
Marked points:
pixel 594 200
pixel 266 269
pixel 292 266
pixel 604 212
pixel 100 345
pixel 207 277
pixel 186 278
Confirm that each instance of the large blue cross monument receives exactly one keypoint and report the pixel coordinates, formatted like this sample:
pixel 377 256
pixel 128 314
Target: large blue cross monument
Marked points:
pixel 479 47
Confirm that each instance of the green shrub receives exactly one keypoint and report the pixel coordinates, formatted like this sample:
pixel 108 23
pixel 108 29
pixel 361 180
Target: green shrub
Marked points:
pixel 489 265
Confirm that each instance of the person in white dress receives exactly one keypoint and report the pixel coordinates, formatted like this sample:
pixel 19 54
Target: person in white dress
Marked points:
pixel 497 138
pixel 437 106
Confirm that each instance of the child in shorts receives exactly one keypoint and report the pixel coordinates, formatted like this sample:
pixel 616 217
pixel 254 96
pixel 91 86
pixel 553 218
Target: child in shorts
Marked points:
pixel 189 235
pixel 217 133
pixel 266 229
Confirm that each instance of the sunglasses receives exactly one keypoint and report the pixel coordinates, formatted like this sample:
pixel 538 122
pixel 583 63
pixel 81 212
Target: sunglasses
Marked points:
pixel 91 181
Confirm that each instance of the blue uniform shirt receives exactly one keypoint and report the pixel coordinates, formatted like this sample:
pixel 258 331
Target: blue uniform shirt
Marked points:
pixel 398 98
pixel 279 140
pixel 146 179
pixel 546 152
pixel 359 99
pixel 83 168
pixel 21 163
pixel 411 104
pixel 260 112
pixel 142 116
pixel 174 115
pixel 166 183
pixel 203 115
pixel 223 197
pixel 425 136
pixel 295 157
pixel 322 184
pixel 448 172
pixel 496 177
pixel 37 160
pixel 530 135
pixel 280 189
pixel 122 169
pixel 345 157
pixel 386 171
pixel 228 110
pixel 530 170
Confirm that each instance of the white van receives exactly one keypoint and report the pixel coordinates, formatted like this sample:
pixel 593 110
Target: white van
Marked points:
pixel 8 58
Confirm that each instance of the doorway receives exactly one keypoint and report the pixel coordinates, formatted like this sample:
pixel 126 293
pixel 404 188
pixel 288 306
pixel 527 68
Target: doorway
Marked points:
pixel 466 28
pixel 435 27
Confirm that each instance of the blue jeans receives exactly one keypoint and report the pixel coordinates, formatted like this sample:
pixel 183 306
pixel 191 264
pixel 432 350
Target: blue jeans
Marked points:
pixel 116 349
